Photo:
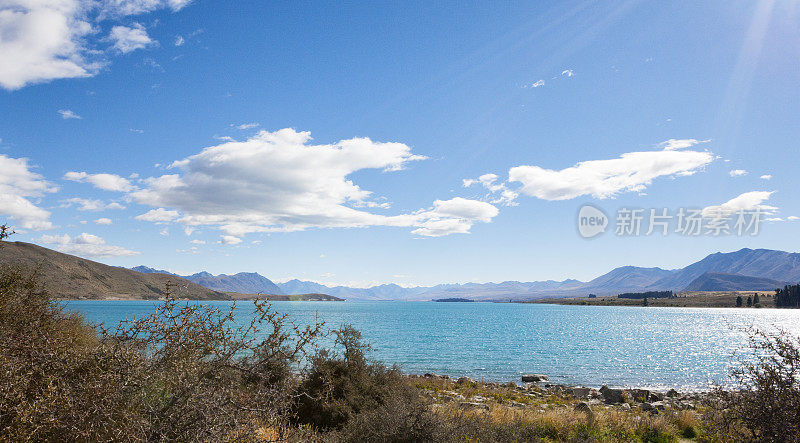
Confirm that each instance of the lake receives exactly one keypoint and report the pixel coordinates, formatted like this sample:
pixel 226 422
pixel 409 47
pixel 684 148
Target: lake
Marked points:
pixel 684 348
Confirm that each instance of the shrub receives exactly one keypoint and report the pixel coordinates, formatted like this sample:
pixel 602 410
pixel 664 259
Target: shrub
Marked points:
pixel 766 407
pixel 59 380
pixel 340 385
pixel 183 373
pixel 205 378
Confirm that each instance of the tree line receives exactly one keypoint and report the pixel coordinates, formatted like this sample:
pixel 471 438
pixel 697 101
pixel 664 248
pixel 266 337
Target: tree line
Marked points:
pixel 788 297
pixel 649 294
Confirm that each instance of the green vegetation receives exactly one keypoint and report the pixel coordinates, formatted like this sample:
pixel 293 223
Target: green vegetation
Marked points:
pixel 648 294
pixel 697 299
pixel 788 297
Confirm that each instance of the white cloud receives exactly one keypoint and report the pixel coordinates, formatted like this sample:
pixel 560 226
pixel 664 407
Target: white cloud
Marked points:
pixel 179 41
pixel 44 40
pixel 244 126
pixel 749 201
pixel 136 7
pixel 501 194
pixel 128 39
pixel 164 232
pixel 67 114
pixel 197 242
pixel 454 216
pixel 136 131
pixel 104 221
pixel 229 240
pixel 737 172
pixel 631 172
pixel 674 144
pixel 792 218
pixel 18 184
pixel 85 245
pixel 106 182
pixel 279 182
pixel 537 84
pixel 159 215
pixel 85 204
pixel 766 177
pixel 567 72
pixel 41 41
pixel 463 208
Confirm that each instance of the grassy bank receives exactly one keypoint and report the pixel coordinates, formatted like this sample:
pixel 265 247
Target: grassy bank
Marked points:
pixel 692 299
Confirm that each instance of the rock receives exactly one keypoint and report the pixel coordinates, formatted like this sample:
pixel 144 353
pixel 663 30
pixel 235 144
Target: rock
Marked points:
pixel 580 392
pixel 625 407
pixel 639 395
pixel 611 395
pixel 672 393
pixel 659 405
pixel 535 378
pixel 463 380
pixel 647 407
pixel 510 385
pixel 471 406
pixel 432 375
pixel 586 409
pixel 452 395
pixel 656 396
pixel 477 399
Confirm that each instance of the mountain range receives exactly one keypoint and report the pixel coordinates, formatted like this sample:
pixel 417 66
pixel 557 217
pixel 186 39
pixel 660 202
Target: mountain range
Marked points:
pixel 746 269
pixel 243 282
pixel 71 277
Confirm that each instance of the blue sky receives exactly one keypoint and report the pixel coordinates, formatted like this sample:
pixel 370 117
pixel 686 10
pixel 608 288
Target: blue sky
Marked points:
pixel 332 142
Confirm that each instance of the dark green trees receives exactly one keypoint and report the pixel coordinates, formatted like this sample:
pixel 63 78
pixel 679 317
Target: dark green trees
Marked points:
pixel 739 301
pixel 788 297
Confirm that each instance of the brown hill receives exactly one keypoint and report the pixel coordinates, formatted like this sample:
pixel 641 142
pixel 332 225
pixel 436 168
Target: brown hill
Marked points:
pixel 69 277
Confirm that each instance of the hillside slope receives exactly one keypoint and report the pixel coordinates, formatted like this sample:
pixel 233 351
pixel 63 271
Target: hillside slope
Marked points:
pixel 763 263
pixel 718 281
pixel 70 277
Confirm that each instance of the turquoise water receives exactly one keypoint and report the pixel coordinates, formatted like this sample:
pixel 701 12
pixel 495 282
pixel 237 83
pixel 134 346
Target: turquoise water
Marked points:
pixel 685 348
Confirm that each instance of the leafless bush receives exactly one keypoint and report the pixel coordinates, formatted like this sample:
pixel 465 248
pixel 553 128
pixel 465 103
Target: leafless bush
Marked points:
pixel 766 406
pixel 186 372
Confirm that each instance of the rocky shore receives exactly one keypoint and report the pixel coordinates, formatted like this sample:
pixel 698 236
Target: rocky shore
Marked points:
pixel 535 391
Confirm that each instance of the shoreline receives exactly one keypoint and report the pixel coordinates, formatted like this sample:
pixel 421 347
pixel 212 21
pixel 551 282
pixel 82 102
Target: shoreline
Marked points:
pixel 470 394
pixel 691 299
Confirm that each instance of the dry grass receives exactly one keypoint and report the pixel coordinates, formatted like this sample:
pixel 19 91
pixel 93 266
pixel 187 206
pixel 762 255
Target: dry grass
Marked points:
pixel 691 299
